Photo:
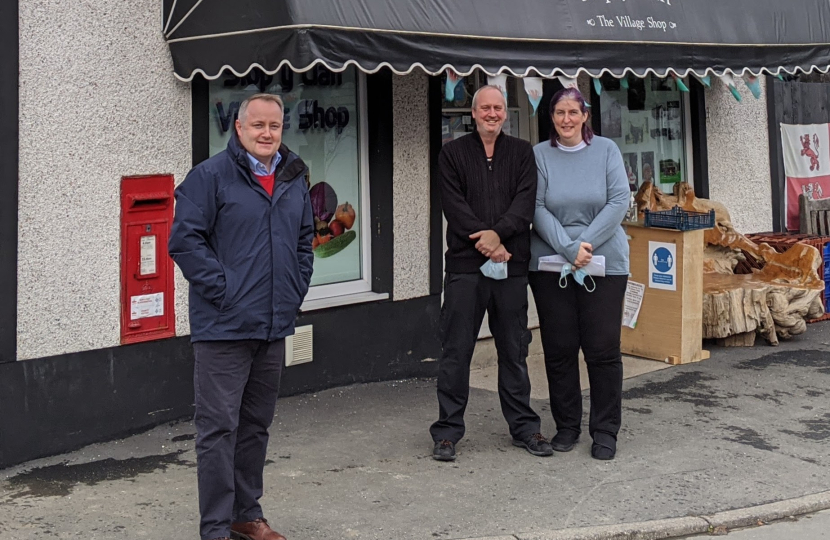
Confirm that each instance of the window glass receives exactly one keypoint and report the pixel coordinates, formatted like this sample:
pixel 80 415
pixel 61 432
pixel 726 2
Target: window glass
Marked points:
pixel 321 125
pixel 457 120
pixel 646 121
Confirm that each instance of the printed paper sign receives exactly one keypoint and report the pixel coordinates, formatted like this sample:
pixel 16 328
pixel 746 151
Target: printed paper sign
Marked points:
pixel 146 305
pixel 662 266
pixel 633 300
pixel 148 255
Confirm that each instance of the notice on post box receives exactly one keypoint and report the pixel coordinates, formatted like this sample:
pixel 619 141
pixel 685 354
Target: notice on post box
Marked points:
pixel 148 255
pixel 146 305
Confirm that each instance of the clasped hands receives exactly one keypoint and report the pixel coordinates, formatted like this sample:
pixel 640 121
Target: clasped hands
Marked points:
pixel 489 244
pixel 583 256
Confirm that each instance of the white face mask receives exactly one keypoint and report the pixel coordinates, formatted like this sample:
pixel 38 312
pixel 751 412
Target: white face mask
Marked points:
pixel 494 270
pixel 579 276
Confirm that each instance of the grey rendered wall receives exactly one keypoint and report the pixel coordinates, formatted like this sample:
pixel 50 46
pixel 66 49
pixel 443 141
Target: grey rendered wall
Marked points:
pixel 98 100
pixel 738 144
pixel 411 186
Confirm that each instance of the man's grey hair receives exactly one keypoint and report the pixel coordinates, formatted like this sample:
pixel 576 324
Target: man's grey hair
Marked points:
pixel 485 87
pixel 243 109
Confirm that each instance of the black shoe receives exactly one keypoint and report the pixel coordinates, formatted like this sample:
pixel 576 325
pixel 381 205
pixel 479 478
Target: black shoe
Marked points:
pixel 444 451
pixel 536 445
pixel 564 440
pixel 604 447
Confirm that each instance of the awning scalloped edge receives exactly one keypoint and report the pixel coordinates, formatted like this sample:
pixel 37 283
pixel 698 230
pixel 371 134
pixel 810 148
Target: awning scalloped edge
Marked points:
pixel 529 72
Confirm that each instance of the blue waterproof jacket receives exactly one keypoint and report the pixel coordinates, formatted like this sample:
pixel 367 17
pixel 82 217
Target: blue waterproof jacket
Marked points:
pixel 247 255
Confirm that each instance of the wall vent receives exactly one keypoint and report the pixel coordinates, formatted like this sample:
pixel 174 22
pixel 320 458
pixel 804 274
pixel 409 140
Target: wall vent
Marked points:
pixel 299 347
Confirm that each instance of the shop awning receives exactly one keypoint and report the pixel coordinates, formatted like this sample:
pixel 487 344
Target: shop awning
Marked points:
pixel 521 37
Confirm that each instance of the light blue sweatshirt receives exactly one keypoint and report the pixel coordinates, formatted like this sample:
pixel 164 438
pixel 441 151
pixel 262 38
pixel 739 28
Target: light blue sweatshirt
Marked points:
pixel 581 196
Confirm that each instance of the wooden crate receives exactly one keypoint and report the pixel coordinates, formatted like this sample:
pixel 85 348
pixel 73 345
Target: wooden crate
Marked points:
pixel 670 325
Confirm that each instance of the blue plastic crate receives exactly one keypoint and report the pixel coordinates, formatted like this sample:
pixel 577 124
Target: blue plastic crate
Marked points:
pixel 679 219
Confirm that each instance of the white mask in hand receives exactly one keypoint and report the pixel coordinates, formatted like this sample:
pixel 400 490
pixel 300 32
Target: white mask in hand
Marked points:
pixel 494 270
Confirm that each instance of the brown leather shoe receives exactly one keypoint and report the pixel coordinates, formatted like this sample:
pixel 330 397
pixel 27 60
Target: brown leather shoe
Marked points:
pixel 254 530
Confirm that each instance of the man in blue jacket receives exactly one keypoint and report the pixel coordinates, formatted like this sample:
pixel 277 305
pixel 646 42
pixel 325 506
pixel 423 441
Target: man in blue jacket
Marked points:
pixel 242 237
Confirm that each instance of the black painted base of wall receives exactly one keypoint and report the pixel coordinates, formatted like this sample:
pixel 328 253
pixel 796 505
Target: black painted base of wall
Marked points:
pixel 61 403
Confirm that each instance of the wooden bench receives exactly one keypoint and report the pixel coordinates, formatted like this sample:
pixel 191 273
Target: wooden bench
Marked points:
pixel 813 216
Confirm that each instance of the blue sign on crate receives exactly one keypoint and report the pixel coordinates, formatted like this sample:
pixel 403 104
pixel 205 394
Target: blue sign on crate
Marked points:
pixel 662 273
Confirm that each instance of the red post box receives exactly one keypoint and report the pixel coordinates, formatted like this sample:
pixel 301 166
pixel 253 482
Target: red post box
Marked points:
pixel 147 289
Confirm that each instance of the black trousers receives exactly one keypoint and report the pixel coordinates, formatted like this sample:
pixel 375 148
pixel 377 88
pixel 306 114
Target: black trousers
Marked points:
pixel 571 318
pixel 236 385
pixel 466 298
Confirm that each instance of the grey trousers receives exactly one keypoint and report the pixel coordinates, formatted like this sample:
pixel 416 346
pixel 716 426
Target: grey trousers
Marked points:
pixel 236 385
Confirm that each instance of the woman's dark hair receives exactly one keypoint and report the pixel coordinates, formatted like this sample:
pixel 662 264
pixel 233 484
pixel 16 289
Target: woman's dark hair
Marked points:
pixel 576 95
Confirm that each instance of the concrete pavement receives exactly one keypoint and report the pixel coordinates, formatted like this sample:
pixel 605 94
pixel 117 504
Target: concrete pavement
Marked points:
pixel 746 428
pixel 807 527
pixel 484 374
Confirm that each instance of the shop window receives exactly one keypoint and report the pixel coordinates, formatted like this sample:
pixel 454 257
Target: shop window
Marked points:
pixel 325 125
pixel 457 120
pixel 648 121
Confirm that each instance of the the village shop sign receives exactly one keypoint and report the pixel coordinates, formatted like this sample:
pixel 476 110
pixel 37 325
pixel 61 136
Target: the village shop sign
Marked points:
pixel 310 114
pixel 606 20
pixel 667 2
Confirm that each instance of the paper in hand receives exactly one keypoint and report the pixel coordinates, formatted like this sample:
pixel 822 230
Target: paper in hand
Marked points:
pixel 553 263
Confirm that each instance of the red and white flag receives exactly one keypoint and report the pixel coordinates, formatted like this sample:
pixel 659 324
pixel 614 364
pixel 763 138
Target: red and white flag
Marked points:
pixel 806 165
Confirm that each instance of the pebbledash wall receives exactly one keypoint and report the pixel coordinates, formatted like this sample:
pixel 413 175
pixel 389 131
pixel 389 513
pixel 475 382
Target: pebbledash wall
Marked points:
pixel 739 156
pixel 98 101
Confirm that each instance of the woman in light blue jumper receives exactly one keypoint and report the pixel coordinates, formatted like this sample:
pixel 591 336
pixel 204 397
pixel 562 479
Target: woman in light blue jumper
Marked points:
pixel 581 200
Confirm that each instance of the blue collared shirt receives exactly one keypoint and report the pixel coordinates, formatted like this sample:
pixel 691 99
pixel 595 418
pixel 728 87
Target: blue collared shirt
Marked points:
pixel 259 169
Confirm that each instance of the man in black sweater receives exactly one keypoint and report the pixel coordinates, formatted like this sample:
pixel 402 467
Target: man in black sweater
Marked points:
pixel 488 191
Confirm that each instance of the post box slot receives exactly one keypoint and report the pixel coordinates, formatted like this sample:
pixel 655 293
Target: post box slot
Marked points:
pixel 143 201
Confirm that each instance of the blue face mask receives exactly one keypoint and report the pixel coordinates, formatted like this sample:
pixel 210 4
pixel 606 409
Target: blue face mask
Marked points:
pixel 494 270
pixel 579 276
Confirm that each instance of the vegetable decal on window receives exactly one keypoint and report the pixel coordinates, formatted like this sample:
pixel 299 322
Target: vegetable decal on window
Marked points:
pixel 332 223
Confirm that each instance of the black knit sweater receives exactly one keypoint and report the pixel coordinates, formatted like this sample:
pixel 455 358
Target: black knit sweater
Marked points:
pixel 477 195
